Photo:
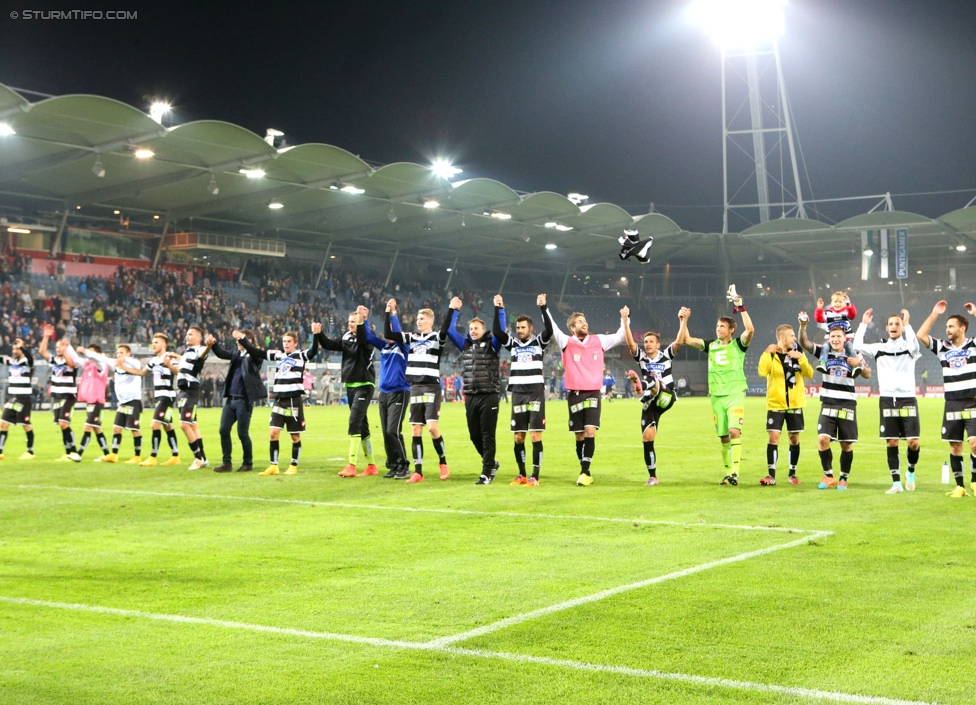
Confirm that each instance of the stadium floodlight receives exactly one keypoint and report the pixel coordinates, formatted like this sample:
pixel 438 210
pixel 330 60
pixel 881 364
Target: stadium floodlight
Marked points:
pixel 6 130
pixel 271 134
pixel 253 173
pixel 352 189
pixel 431 204
pixel 563 228
pixel 444 169
pixel 501 216
pixel 391 216
pixel 212 187
pixel 551 224
pixel 550 246
pixel 739 24
pixel 275 205
pixel 868 252
pixel 22 231
pixel 144 153
pixel 97 169
pixel 157 109
pixel 960 247
pixel 577 198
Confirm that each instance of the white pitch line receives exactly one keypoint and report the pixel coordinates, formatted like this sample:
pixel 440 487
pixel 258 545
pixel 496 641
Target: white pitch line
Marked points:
pixel 603 594
pixel 705 681
pixel 425 510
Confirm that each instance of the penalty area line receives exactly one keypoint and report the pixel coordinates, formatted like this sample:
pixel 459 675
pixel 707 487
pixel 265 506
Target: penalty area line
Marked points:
pixel 429 510
pixel 704 681
pixel 611 592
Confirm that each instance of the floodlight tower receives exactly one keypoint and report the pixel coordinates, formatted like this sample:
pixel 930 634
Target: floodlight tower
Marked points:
pixel 758 147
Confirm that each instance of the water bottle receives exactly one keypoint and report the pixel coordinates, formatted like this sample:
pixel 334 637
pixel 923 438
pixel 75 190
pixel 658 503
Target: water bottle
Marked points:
pixel 945 473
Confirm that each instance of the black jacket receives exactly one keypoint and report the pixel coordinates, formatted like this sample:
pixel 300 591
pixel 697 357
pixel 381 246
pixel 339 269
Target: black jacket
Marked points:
pixel 254 388
pixel 357 355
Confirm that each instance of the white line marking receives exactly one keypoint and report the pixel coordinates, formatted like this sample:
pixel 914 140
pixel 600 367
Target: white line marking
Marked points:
pixel 602 595
pixel 706 681
pixel 424 510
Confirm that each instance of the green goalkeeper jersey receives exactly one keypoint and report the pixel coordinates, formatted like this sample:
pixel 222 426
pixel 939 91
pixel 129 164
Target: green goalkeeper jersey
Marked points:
pixel 726 367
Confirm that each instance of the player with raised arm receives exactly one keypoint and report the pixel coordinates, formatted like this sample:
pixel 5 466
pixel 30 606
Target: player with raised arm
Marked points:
pixel 128 390
pixel 64 388
pixel 526 383
pixel 359 379
pixel 784 366
pixel 423 373
pixel 163 377
pixel 91 391
pixel 187 371
pixel 726 380
pixel 287 409
pixel 838 401
pixel 20 390
pixel 957 355
pixel 583 358
pixel 658 394
pixel 394 399
pixel 895 358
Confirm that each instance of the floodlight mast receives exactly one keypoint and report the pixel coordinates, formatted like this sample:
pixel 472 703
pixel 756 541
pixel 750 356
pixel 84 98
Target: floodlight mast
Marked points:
pixel 746 32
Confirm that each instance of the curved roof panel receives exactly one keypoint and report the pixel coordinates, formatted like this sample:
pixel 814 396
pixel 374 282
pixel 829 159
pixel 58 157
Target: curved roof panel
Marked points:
pixel 883 219
pixel 87 121
pixel 475 194
pixel 785 226
pixel 962 220
pixel 318 163
pixel 210 143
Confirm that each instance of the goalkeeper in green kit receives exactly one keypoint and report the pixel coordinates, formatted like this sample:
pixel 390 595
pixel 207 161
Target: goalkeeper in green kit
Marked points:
pixel 726 379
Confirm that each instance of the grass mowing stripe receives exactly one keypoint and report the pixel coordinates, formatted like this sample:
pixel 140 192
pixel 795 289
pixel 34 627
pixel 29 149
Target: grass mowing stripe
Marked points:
pixel 603 594
pixel 426 510
pixel 809 693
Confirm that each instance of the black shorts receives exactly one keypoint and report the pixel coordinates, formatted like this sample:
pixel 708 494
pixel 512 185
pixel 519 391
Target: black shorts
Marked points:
pixel 17 411
pixel 899 417
pixel 164 411
pixel 959 420
pixel 528 411
pixel 584 410
pixel 288 414
pixel 94 415
pixel 425 403
pixel 127 415
pixel 187 401
pixel 793 418
pixel 63 408
pixel 839 423
pixel 651 412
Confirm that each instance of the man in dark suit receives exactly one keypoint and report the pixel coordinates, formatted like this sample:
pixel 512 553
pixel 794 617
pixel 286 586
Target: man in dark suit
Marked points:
pixel 242 389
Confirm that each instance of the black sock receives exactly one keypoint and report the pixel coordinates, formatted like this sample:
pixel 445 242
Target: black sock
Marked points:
pixel 913 458
pixel 827 462
pixel 846 461
pixel 650 458
pixel 439 449
pixel 589 446
pixel 173 443
pixel 520 457
pixel 772 455
pixel 85 440
pixel 275 447
pixel 116 442
pixel 137 443
pixel 972 467
pixel 157 437
pixel 3 440
pixel 956 462
pixel 417 446
pixel 30 442
pixel 102 442
pixel 203 455
pixel 893 463
pixel 536 458
pixel 68 436
pixel 296 452
pixel 794 458
pixel 579 450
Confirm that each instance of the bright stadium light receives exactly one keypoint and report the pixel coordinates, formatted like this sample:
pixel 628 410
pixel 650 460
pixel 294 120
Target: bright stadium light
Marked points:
pixel 158 109
pixel 550 246
pixel 431 204
pixel 960 247
pixel 739 24
pixel 6 130
pixel 868 252
pixel 501 216
pixel 144 153
pixel 276 205
pixel 444 169
pixel 352 189
pixel 253 173
pixel 563 228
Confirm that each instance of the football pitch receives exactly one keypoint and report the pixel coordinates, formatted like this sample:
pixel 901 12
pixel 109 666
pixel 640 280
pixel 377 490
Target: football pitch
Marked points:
pixel 123 584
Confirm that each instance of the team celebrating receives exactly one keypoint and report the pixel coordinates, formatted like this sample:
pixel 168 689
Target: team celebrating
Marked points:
pixel 409 379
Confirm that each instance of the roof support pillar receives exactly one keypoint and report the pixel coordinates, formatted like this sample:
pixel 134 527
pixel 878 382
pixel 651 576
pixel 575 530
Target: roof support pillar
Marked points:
pixel 325 260
pixel 453 269
pixel 723 254
pixel 563 290
pixel 504 278
pixel 389 273
pixel 159 247
pixel 240 277
pixel 640 293
pixel 813 282
pixel 56 243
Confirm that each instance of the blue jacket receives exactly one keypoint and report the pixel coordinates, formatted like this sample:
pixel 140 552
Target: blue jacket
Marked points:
pixel 393 359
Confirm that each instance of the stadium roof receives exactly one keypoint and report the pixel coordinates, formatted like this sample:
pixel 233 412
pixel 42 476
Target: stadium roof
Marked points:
pixel 80 150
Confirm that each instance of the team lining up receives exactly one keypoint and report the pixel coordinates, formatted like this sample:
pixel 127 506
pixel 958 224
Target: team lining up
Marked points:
pixel 410 382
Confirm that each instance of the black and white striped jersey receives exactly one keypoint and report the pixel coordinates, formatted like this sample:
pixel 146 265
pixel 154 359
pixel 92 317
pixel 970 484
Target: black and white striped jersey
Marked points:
pixel 424 358
pixel 64 382
pixel 525 372
pixel 958 368
pixel 19 375
pixel 289 372
pixel 162 377
pixel 191 364
pixel 658 367
pixel 837 382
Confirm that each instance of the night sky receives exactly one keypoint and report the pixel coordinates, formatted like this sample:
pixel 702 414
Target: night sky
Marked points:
pixel 616 99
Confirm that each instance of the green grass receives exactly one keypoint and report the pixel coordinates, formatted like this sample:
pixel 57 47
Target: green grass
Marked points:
pixel 881 607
